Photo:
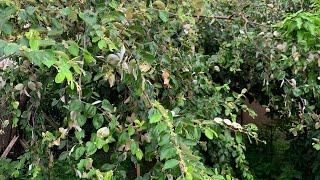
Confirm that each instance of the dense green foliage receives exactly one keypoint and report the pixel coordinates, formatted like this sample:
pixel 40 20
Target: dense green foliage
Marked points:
pixel 154 90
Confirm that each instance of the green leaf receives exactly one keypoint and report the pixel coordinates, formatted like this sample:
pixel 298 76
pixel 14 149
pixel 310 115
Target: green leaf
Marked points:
pixel 75 105
pixel 148 57
pixel 164 16
pixel 102 44
pixel 170 164
pixel 167 153
pixel 63 156
pixel 81 120
pixel 89 110
pixel 73 48
pixel 88 57
pixel 66 11
pixel 99 142
pixel 139 154
pixel 98 121
pixel 68 74
pixel 85 164
pixel 238 137
pixel 11 48
pixel 91 173
pixel 154 115
pixel 15 104
pixel 46 42
pixel 77 69
pixel 106 105
pixel 60 77
pixel 39 57
pixel 48 62
pixel 299 23
pixel 317 146
pixel 130 130
pixel 133 147
pixel 209 133
pixel 164 140
pixel 108 175
pixel 7 28
pixel 96 39
pixel 15 122
pixel 34 44
pixel 89 17
pixel 79 134
pixel 91 148
pixel 111 45
pixel 297 92
pixel 105 148
pixel 160 127
pixel 79 152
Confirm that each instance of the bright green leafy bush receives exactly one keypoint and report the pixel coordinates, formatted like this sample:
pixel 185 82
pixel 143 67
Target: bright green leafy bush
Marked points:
pixel 154 90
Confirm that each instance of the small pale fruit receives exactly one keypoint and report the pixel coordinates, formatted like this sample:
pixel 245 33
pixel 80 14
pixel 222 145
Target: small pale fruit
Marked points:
pixel 113 59
pixel 217 68
pixel 32 86
pixel 236 125
pixel 276 34
pixel 103 132
pixel 159 5
pixel 19 87
pixel 227 122
pixel 218 120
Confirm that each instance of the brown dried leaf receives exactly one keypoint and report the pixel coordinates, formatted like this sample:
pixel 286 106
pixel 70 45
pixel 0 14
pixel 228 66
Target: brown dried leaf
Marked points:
pixel 145 67
pixel 56 142
pixel 165 77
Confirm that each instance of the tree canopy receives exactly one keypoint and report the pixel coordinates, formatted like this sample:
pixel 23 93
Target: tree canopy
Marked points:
pixel 106 89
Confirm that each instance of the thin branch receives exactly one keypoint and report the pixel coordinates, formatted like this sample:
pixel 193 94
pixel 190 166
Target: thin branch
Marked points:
pixel 50 121
pixel 230 17
pixel 84 39
pixel 23 143
pixel 9 147
pixel 245 22
pixel 138 171
pixel 8 56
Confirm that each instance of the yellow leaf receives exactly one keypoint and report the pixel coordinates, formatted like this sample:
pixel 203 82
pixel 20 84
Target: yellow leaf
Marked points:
pixel 159 5
pixel 145 67
pixel 129 14
pixel 111 79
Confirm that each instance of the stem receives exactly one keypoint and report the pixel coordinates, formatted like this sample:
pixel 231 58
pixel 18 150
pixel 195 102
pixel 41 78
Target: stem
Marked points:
pixel 173 135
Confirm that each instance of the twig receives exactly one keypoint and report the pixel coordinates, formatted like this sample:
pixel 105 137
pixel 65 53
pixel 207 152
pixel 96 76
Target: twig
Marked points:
pixel 8 56
pixel 9 147
pixel 50 121
pixel 202 16
pixel 230 17
pixel 148 99
pixel 245 22
pixel 81 66
pixel 138 170
pixel 23 143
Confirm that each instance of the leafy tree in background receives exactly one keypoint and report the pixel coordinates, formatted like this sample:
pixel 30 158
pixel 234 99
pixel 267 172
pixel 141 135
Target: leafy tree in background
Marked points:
pixel 154 89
